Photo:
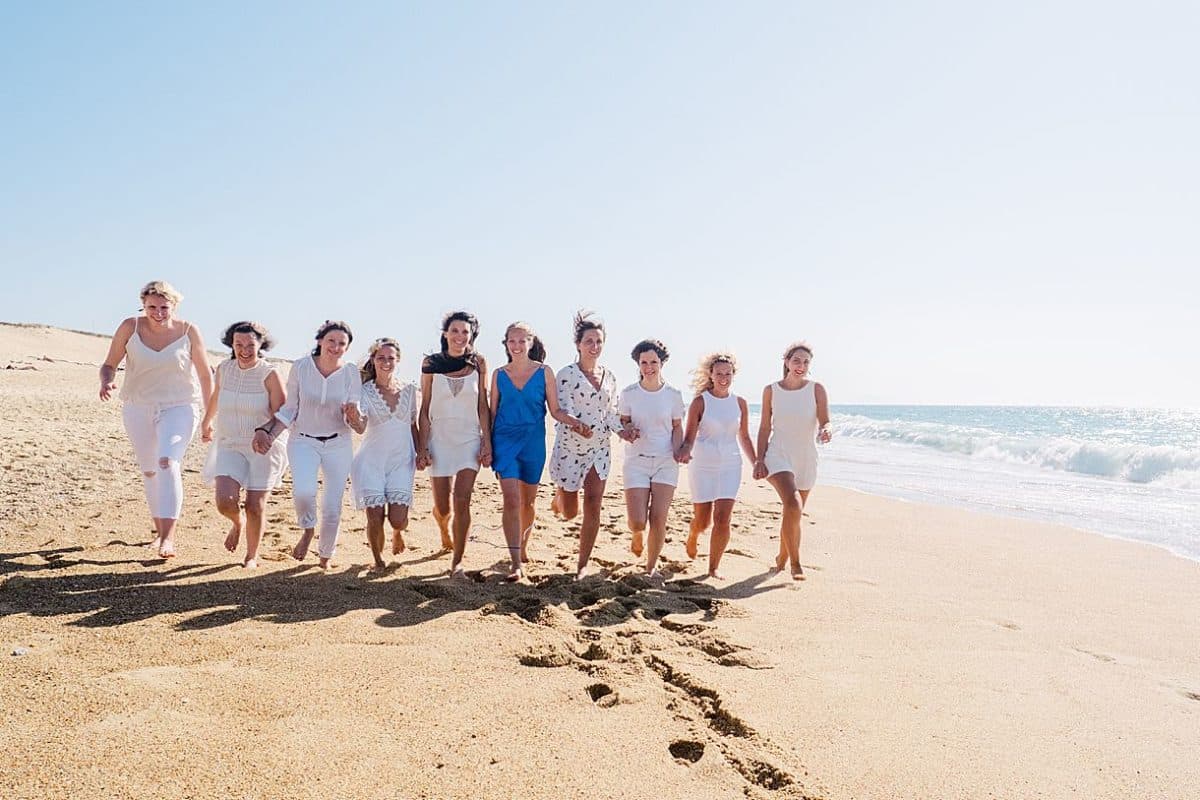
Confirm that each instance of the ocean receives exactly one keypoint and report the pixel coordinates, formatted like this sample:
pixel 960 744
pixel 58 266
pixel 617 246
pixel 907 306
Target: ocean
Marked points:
pixel 1123 472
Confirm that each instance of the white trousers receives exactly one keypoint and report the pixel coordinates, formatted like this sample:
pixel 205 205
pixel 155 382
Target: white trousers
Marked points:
pixel 333 459
pixel 158 432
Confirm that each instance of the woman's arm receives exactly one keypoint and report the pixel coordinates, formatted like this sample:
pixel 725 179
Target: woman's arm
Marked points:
pixel 287 413
pixel 485 412
pixel 116 353
pixel 764 434
pixel 744 430
pixel 275 400
pixel 822 399
pixel 423 420
pixel 695 414
pixel 677 438
pixel 200 362
pixel 561 414
pixel 210 410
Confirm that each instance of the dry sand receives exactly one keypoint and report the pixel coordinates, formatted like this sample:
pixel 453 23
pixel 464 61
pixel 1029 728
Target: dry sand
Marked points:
pixel 931 653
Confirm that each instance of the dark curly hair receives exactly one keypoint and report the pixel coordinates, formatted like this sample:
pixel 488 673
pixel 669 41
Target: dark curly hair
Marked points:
pixel 646 345
pixel 255 329
pixel 331 325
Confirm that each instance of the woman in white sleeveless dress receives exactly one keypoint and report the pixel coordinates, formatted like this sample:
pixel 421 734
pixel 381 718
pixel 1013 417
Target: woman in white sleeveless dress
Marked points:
pixel 718 424
pixel 795 415
pixel 247 394
pixel 454 428
pixel 384 466
pixel 167 377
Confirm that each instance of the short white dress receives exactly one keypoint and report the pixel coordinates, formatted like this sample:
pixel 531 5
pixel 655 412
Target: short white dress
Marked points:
pixel 793 443
pixel 383 469
pixel 243 405
pixel 573 456
pixel 715 472
pixel 454 435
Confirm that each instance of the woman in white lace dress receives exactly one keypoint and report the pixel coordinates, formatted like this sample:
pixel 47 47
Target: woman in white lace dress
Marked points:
pixel 582 458
pixel 384 466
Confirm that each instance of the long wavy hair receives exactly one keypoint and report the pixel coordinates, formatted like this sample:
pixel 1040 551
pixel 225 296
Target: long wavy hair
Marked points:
pixel 367 370
pixel 537 350
pixel 791 350
pixel 702 380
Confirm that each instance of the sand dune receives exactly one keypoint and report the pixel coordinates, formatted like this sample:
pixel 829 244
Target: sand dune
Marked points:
pixel 931 653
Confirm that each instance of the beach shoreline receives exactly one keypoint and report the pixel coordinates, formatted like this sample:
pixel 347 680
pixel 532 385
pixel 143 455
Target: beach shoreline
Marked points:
pixel 933 651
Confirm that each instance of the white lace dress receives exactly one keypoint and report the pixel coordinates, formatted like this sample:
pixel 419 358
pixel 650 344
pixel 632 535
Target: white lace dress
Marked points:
pixel 386 460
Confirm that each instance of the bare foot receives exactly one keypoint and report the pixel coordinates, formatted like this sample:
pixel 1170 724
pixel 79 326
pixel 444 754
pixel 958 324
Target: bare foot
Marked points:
pixel 798 573
pixel 635 545
pixel 398 545
pixel 250 563
pixel 514 576
pixel 324 563
pixel 780 562
pixel 166 548
pixel 234 535
pixel 154 543
pixel 377 568
pixel 691 544
pixel 301 548
pixel 457 572
pixel 715 575
pixel 555 509
pixel 443 523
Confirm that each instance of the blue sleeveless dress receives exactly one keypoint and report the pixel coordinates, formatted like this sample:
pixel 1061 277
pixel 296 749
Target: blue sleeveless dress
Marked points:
pixel 519 430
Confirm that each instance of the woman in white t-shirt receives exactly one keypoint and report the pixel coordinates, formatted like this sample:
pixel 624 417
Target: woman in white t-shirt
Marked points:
pixel 654 411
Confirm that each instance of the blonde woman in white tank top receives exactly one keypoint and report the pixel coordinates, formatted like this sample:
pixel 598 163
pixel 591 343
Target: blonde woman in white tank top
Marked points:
pixel 454 429
pixel 167 377
pixel 795 416
pixel 718 425
pixel 246 394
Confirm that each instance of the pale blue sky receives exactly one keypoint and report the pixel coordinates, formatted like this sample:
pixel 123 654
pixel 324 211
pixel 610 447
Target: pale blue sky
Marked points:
pixel 954 202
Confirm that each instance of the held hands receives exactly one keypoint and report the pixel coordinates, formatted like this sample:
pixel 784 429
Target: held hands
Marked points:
pixel 485 455
pixel 684 454
pixel 423 459
pixel 825 435
pixel 582 430
pixel 353 417
pixel 106 389
pixel 262 442
pixel 760 470
pixel 629 433
pixel 206 431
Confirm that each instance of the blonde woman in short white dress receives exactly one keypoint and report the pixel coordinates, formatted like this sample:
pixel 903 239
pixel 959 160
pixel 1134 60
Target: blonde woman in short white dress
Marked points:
pixel 454 429
pixel 718 424
pixel 795 416
pixel 247 393
pixel 167 377
pixel 382 475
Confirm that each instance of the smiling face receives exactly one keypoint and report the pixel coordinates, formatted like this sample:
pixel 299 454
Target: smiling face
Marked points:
pixel 334 344
pixel 458 336
pixel 722 376
pixel 517 341
pixel 245 348
pixel 158 309
pixel 385 360
pixel 797 363
pixel 591 344
pixel 650 366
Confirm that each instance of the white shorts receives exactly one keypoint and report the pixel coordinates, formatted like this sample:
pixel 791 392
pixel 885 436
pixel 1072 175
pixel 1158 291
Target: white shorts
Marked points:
pixel 643 470
pixel 254 472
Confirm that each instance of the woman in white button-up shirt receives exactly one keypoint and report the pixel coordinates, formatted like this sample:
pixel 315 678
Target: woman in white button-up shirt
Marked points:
pixel 323 394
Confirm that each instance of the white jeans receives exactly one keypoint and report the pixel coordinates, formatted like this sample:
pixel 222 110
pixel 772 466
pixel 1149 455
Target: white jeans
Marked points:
pixel 333 458
pixel 156 433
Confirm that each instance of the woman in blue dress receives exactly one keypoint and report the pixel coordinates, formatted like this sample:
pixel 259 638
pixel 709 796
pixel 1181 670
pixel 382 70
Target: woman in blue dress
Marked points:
pixel 519 401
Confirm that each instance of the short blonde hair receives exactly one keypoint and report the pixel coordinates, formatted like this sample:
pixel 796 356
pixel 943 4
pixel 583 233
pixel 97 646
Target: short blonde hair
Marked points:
pixel 702 375
pixel 162 289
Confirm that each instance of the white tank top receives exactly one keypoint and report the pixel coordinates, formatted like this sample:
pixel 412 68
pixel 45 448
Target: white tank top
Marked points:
pixel 794 413
pixel 243 403
pixel 455 401
pixel 160 377
pixel 717 437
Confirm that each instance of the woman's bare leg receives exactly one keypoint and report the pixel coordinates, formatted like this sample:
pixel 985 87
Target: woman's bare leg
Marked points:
pixel 789 526
pixel 228 494
pixel 375 516
pixel 660 507
pixel 637 512
pixel 397 514
pixel 256 512
pixel 510 516
pixel 722 514
pixel 464 487
pixel 441 509
pixel 565 504
pixel 701 519
pixel 528 516
pixel 593 496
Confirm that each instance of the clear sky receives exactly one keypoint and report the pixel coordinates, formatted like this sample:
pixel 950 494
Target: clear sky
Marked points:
pixel 953 202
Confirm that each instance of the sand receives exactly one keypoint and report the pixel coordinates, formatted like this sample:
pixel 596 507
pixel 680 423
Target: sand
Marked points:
pixel 931 653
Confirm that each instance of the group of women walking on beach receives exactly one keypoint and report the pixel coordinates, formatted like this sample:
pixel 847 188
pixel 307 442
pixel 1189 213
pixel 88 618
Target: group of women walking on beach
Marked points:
pixel 462 418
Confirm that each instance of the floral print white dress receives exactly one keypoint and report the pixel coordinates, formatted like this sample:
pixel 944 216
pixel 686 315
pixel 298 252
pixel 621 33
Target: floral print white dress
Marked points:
pixel 595 407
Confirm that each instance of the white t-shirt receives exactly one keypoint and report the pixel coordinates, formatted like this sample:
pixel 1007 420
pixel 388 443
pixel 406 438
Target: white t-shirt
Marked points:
pixel 652 414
